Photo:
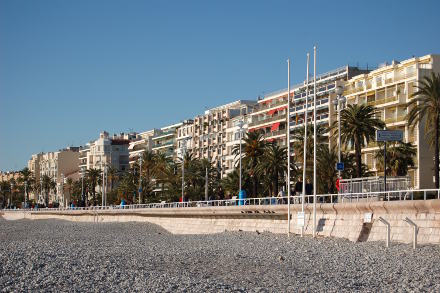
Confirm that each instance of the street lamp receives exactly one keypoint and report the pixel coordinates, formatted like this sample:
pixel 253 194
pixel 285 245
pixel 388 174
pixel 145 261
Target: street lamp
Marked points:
pixel 183 148
pixel 240 125
pixel 140 176
pixel 339 103
pixel 201 138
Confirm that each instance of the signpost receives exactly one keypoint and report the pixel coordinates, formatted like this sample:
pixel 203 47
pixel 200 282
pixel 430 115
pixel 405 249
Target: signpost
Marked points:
pixel 387 135
pixel 340 166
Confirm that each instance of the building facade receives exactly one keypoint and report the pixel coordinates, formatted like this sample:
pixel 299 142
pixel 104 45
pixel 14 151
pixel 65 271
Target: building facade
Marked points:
pixel 106 151
pixel 389 88
pixel 57 166
pixel 165 142
pixel 210 132
pixel 142 142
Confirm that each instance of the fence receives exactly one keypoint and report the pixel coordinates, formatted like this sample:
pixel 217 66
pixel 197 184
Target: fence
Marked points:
pixel 422 194
pixel 373 184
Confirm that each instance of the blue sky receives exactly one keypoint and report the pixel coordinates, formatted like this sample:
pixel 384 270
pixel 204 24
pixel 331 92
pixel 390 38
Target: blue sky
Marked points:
pixel 69 69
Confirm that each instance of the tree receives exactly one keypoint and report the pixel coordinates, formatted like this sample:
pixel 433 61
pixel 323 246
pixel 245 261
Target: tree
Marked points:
pixel 327 175
pixel 148 167
pixel 399 157
pixel 5 187
pixel 47 185
pixel 27 178
pixel 93 176
pixel 298 145
pixel 69 186
pixel 358 127
pixel 252 150
pixel 273 165
pixel 426 104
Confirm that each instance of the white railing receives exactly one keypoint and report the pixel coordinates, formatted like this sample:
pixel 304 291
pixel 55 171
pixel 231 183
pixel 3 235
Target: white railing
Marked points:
pixel 397 195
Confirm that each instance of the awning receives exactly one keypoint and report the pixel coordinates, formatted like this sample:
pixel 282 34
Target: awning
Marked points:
pixel 271 112
pixel 275 126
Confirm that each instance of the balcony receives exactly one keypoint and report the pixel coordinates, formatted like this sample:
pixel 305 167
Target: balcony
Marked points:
pixel 395 119
pixel 157 146
pixel 268 120
pixel 275 133
pixel 265 106
pixel 383 101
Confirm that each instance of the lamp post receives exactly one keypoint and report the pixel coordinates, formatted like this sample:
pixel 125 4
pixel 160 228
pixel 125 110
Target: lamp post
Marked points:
pixel 240 125
pixel 183 147
pixel 41 187
pixel 339 104
pixel 10 195
pixel 25 191
pixel 62 189
pixel 82 184
pixel 140 176
pixel 201 138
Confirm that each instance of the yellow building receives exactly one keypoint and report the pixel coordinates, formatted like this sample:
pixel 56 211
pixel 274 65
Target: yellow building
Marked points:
pixel 389 88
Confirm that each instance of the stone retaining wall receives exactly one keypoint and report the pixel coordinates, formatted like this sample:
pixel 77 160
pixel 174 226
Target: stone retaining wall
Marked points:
pixel 344 220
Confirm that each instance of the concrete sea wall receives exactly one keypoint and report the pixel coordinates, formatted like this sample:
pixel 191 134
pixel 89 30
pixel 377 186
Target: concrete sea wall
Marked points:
pixel 344 220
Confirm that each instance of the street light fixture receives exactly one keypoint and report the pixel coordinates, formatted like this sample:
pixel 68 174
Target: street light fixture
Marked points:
pixel 140 176
pixel 183 147
pixel 339 104
pixel 240 125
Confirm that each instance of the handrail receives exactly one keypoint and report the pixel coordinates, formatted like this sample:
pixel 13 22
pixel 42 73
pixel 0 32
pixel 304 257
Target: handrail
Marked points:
pixel 399 195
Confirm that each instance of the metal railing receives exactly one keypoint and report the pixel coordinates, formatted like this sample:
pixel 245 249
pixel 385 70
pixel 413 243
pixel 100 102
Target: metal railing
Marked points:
pixel 399 195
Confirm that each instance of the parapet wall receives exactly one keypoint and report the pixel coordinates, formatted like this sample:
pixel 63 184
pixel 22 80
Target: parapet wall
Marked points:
pixel 344 220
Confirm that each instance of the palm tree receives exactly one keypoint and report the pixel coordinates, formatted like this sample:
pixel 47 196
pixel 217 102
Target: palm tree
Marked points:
pixel 399 158
pixel 327 175
pixel 46 186
pixel 252 150
pixel 4 187
pixel 358 127
pixel 93 176
pixel 426 104
pixel 28 179
pixel 298 144
pixel 113 176
pixel 273 165
pixel 69 186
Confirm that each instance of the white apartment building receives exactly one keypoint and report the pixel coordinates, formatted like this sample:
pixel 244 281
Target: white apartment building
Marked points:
pixel 58 166
pixel 233 139
pixel 184 137
pixel 106 151
pixel 143 142
pixel 210 129
pixel 270 116
pixel 389 88
pixel 164 141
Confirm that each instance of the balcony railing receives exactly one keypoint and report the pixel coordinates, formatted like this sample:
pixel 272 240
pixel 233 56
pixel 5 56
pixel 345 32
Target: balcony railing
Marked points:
pixel 275 133
pixel 395 119
pixel 265 106
pixel 383 101
pixel 267 120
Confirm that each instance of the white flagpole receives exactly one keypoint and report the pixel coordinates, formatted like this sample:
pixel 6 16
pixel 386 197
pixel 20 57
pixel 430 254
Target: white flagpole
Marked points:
pixel 305 143
pixel 288 147
pixel 314 141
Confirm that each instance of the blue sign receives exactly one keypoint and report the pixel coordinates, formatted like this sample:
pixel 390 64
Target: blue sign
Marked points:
pixel 340 166
pixel 140 189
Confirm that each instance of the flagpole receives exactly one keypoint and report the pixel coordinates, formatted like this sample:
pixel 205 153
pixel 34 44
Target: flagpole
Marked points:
pixel 288 147
pixel 314 141
pixel 305 144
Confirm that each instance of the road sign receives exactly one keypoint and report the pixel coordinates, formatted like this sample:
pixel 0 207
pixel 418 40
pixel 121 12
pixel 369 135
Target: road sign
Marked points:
pixel 300 219
pixel 389 135
pixel 140 189
pixel 340 166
